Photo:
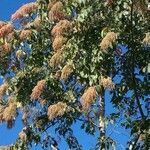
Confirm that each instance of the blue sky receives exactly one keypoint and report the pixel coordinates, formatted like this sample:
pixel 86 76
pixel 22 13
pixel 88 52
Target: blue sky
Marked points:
pixel 8 136
pixel 7 7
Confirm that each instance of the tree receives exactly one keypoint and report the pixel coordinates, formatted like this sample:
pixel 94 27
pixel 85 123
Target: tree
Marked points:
pixel 61 59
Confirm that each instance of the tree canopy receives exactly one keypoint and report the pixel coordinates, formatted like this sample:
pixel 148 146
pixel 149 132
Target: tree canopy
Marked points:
pixel 58 59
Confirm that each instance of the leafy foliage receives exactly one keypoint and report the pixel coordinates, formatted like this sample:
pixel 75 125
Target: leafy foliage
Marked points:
pixel 81 49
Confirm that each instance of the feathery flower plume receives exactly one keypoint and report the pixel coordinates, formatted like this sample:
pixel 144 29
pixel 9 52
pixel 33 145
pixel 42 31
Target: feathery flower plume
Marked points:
pixel 56 59
pixel 3 89
pixel 88 98
pixel 58 6
pixel 25 34
pixel 1 117
pixel 146 40
pixel 141 7
pixel 10 113
pixel 56 13
pixel 58 42
pixel 110 2
pixel 37 70
pixel 36 23
pixel 10 37
pixel 66 71
pixel 38 89
pixel 43 102
pixel 6 47
pixel 56 16
pixel 108 40
pixel 57 74
pixel 23 136
pixel 142 137
pixel 56 110
pixel 6 29
pixel 2 23
pixel 61 28
pixel 51 3
pixel 107 83
pixel 25 9
pixel 1 113
pixel 25 118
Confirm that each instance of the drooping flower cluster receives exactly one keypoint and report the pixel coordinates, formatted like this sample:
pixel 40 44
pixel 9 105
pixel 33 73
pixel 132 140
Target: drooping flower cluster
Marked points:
pixel 63 27
pixel 58 42
pixel 110 2
pixel 36 23
pixel 10 37
pixel 25 34
pixel 141 7
pixel 51 3
pixel 25 118
pixel 58 32
pixel 3 89
pixel 56 12
pixel 56 110
pixel 56 59
pixel 142 137
pixel 38 89
pixel 107 83
pixel 146 40
pixel 6 29
pixel 43 102
pixel 6 47
pixel 57 74
pixel 25 9
pixel 66 71
pixel 58 6
pixel 10 113
pixel 88 98
pixel 23 135
pixel 37 70
pixel 2 23
pixel 108 40
pixel 1 113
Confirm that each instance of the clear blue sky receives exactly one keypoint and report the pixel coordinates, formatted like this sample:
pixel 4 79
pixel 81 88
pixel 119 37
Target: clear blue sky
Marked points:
pixel 8 136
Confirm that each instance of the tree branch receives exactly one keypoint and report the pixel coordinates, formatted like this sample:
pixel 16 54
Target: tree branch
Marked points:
pixel 133 62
